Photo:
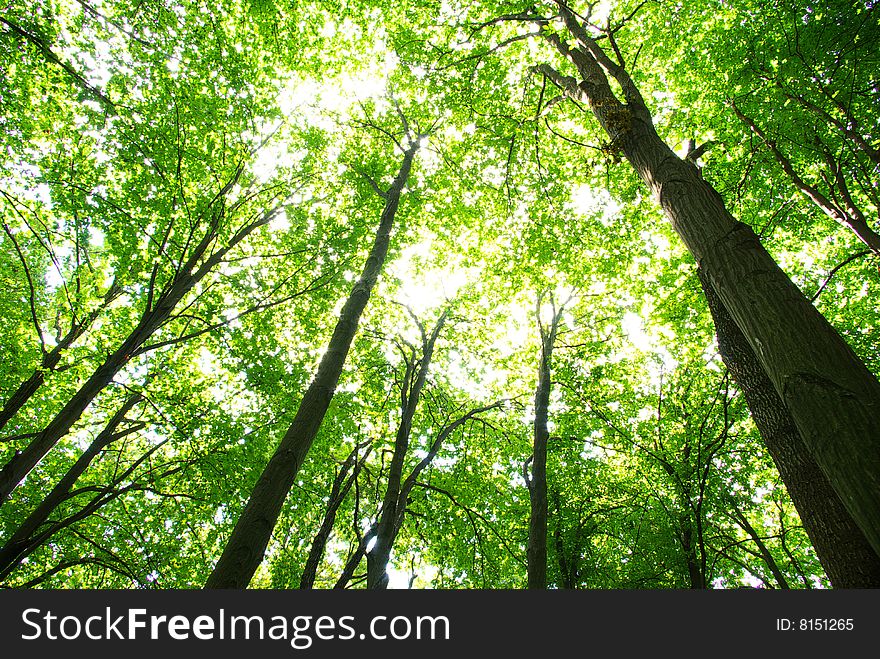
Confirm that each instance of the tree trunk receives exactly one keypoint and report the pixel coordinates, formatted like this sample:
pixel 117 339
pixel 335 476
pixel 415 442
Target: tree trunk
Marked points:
pixel 21 464
pixel 247 544
pixel 537 547
pixel 696 576
pixel 26 537
pixel 393 505
pixel 536 551
pixel 831 395
pixel 846 555
pixel 341 485
pixel 188 275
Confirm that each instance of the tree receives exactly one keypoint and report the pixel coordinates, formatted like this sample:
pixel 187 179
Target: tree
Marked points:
pixel 848 559
pixel 832 396
pixel 246 545
pixel 214 221
pixel 537 481
pixel 342 483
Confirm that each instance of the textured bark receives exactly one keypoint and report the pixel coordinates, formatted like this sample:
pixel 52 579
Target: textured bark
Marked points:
pixel 846 555
pixel 339 490
pixel 393 504
pixel 157 313
pixel 28 536
pixel 831 395
pixel 247 544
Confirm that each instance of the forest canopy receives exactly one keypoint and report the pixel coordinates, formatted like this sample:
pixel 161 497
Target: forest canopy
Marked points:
pixel 328 294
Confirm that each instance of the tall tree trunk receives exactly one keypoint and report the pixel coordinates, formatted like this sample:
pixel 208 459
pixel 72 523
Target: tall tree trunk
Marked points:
pixel 848 558
pixel 405 490
pixel 339 490
pixel 536 552
pixel 831 395
pixel 22 462
pixel 28 387
pixel 696 575
pixel 27 536
pixel 393 506
pixel 247 544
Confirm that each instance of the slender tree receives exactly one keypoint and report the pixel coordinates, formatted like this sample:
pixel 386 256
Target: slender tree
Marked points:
pixel 30 534
pixel 246 545
pixel 342 482
pixel 393 505
pixel 536 550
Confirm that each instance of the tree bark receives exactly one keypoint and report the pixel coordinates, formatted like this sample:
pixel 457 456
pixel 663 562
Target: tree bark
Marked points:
pixel 831 395
pixel 247 544
pixel 536 551
pixel 848 558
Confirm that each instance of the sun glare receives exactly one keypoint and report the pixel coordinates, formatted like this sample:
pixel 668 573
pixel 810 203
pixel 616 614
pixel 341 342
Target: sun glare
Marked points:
pixel 423 289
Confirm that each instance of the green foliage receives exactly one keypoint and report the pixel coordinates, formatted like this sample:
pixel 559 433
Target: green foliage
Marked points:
pixel 132 131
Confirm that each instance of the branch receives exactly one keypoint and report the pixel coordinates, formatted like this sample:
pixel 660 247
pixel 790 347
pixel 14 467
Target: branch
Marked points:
pixel 567 84
pixel 834 270
pixel 474 513
pixel 630 92
pixel 812 193
pixel 379 191
pixel 44 48
pixel 32 297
